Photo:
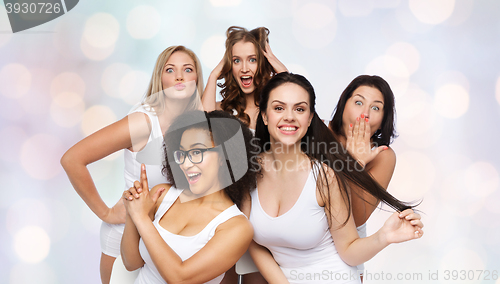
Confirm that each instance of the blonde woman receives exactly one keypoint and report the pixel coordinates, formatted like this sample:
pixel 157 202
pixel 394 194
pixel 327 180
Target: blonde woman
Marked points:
pixel 175 86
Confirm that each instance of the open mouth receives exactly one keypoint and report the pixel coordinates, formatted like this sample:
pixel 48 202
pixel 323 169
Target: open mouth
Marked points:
pixel 288 130
pixel 246 81
pixel 193 177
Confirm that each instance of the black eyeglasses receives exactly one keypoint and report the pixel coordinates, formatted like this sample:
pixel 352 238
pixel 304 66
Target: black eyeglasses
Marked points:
pixel 194 155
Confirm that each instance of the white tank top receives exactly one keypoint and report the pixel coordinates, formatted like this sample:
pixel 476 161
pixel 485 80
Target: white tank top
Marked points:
pixel 184 246
pixel 300 240
pixel 151 155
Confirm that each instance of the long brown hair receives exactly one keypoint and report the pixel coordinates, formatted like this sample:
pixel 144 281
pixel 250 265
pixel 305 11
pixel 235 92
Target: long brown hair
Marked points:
pixel 320 145
pixel 232 96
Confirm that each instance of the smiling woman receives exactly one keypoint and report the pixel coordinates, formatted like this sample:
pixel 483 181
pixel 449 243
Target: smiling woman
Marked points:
pixel 246 67
pixel 193 230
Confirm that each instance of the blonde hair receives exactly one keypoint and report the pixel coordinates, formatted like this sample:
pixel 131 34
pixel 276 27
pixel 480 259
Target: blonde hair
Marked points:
pixel 155 97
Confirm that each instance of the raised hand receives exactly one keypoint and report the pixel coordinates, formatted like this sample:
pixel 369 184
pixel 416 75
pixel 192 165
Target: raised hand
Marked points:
pixel 358 141
pixel 403 226
pixel 138 200
pixel 277 65
pixel 218 69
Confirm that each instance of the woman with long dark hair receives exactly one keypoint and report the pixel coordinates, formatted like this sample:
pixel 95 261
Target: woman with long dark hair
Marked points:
pixel 301 208
pixel 364 122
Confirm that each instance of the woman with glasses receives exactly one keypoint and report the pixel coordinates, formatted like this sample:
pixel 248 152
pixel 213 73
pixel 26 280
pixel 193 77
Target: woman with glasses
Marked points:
pixel 192 231
pixel 175 87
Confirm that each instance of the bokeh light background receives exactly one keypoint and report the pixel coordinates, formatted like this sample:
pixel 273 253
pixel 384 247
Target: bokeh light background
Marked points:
pixel 61 81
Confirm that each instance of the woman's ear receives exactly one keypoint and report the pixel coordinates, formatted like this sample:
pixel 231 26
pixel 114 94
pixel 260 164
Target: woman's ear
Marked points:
pixel 264 118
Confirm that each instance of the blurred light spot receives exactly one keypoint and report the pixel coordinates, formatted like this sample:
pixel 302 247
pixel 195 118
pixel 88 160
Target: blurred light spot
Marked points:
pixel 413 176
pixel 212 51
pixel 461 13
pixel 417 122
pixel 61 216
pixel 133 86
pixel 356 8
pixel 96 53
pixel 26 212
pixel 15 80
pixel 297 69
pixel 393 70
pixel 430 11
pixel 67 109
pixel 491 203
pixel 457 199
pixel 143 22
pixel 111 78
pixel 67 82
pixel 97 117
pixel 101 30
pixel 385 4
pixel 451 101
pixel 314 25
pixel 464 259
pixel 13 138
pixel 481 179
pixel 32 244
pixel 453 77
pixel 407 54
pixel 185 34
pixel 225 3
pixel 498 90
pixel 39 273
pixel 40 156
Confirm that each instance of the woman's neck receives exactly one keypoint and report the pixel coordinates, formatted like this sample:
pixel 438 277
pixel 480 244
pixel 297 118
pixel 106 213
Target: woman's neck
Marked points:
pixel 286 158
pixel 171 110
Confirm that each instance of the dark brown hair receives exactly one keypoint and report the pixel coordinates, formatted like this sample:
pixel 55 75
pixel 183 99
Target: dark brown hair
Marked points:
pixel 386 134
pixel 224 129
pixel 232 96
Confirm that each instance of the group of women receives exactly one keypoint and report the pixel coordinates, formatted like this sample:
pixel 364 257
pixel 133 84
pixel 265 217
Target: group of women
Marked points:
pixel 293 197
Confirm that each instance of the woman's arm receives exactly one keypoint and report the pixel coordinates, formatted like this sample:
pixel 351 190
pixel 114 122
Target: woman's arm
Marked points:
pixel 229 243
pixel 129 247
pixel 273 60
pixel 380 163
pixel 209 95
pixel 400 227
pixel 381 169
pixel 96 146
pixel 266 264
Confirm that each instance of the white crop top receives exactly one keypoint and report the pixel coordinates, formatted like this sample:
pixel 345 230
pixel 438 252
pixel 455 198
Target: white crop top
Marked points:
pixel 300 240
pixel 151 155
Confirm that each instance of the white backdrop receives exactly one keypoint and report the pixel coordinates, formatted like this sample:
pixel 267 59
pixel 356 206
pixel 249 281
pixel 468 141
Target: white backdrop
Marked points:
pixel 67 78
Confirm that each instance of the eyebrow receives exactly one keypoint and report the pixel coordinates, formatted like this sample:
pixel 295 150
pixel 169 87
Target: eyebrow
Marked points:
pixel 251 55
pixel 187 64
pixel 365 99
pixel 277 101
pixel 193 145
